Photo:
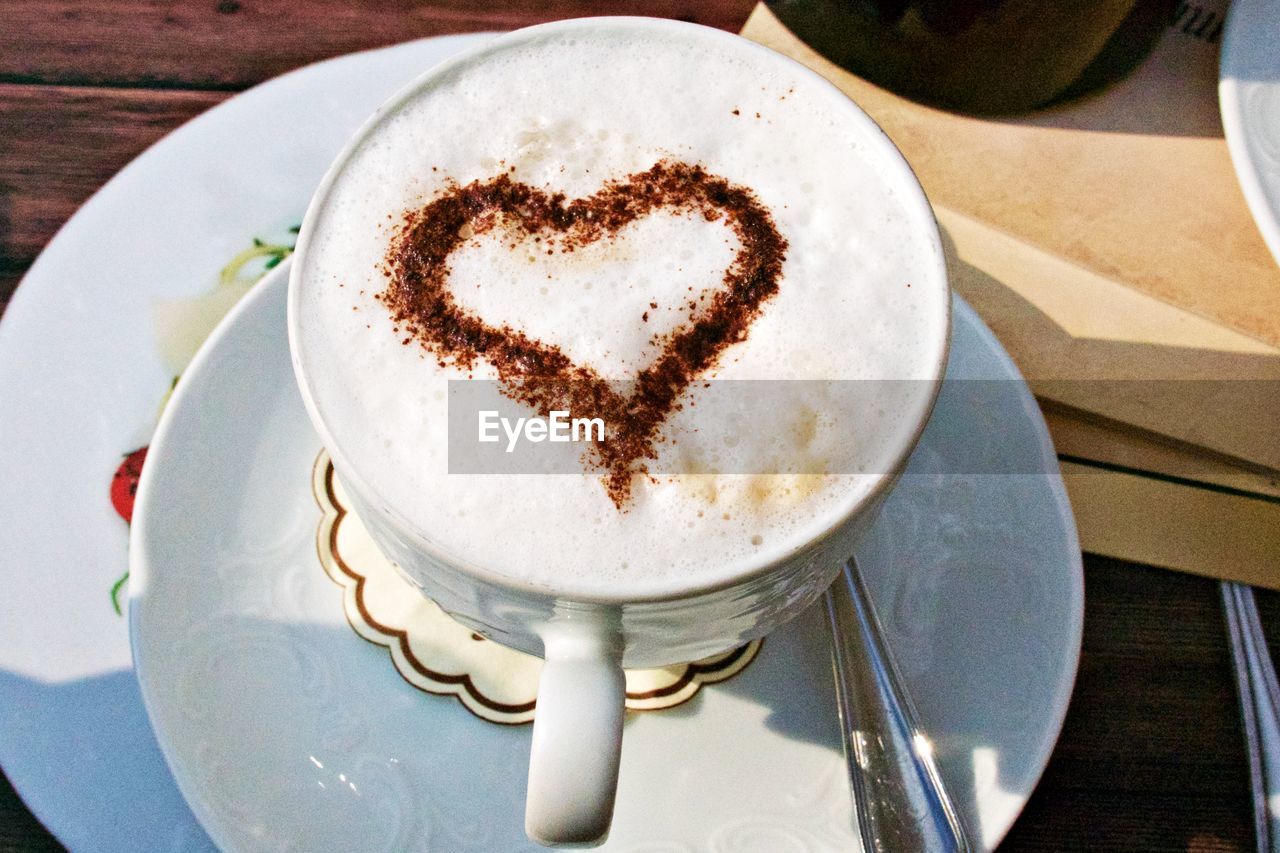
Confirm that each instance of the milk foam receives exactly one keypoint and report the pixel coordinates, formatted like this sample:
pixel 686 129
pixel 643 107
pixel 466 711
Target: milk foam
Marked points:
pixel 861 297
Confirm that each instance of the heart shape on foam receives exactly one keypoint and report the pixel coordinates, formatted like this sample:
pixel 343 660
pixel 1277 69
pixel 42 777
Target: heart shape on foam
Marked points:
pixel 539 374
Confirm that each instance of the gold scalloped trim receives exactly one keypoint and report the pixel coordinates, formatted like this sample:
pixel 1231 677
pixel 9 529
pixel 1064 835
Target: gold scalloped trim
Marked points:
pixel 647 690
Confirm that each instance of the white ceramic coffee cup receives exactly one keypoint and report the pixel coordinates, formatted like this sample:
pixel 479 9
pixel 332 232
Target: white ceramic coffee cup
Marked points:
pixel 577 736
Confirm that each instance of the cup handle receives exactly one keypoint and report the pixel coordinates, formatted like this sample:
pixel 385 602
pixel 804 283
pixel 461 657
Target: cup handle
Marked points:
pixel 577 739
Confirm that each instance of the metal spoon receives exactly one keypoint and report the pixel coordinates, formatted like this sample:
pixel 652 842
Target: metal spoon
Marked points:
pixel 898 795
pixel 1259 708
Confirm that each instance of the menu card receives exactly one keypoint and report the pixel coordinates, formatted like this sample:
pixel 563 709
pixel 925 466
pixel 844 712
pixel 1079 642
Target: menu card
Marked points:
pixel 1107 243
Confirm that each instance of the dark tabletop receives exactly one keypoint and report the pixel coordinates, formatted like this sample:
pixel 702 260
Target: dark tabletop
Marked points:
pixel 1151 756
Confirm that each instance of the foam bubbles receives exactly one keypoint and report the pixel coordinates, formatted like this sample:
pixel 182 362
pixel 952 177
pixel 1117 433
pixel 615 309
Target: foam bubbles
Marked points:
pixel 527 108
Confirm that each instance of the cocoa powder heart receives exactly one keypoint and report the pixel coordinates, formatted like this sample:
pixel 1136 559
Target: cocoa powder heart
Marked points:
pixel 540 375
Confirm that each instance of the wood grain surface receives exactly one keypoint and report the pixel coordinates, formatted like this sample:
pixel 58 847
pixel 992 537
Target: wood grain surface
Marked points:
pixel 60 143
pixel 231 44
pixel 1151 755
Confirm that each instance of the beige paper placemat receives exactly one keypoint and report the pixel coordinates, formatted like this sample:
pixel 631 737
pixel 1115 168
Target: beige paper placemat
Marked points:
pixel 1162 522
pixel 1139 498
pixel 1086 440
pixel 1106 239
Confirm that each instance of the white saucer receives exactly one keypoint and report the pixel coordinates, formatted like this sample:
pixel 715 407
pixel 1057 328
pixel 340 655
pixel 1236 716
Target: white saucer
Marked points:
pixel 1249 96
pixel 284 729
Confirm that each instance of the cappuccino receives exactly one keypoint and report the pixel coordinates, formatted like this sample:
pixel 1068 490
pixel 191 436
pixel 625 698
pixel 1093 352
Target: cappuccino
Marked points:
pixel 572 212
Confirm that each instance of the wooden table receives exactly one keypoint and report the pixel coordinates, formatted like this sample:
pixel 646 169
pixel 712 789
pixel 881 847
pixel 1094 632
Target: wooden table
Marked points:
pixel 1151 757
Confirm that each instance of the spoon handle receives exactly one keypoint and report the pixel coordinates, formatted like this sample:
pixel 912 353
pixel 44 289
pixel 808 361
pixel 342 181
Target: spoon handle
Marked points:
pixel 898 795
pixel 1259 708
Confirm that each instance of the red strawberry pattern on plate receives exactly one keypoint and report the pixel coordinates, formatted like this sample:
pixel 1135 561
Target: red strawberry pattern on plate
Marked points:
pixel 192 322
